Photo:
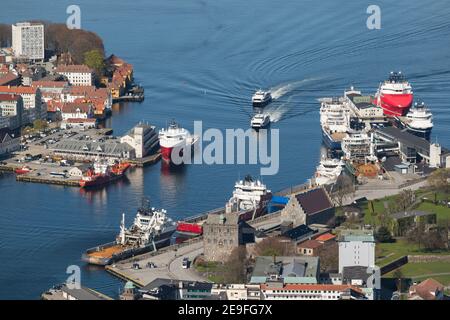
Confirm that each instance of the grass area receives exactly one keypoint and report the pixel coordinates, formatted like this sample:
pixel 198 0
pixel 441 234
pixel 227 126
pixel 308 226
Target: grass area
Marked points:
pixel 442 212
pixel 422 271
pixel 212 270
pixel 388 252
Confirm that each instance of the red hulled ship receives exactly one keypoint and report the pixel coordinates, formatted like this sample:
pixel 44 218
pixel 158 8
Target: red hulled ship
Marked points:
pixel 395 95
pixel 174 140
pixel 102 173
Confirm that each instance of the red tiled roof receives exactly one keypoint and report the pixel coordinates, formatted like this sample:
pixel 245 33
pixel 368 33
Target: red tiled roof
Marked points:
pixel 74 68
pixel 318 287
pixel 426 288
pixel 325 237
pixel 72 107
pixel 9 77
pixel 49 84
pixel 18 90
pixel 310 244
pixel 9 97
pixel 78 120
pixel 314 201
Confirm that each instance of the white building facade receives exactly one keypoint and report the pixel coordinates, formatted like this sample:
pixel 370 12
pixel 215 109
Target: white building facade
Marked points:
pixel 356 248
pixel 28 40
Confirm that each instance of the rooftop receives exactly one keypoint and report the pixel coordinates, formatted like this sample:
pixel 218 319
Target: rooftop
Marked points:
pixel 314 201
pixel 356 235
pixel 326 237
pixel 286 266
pixel 405 137
pixel 83 293
pixel 311 244
pixel 74 68
pixel 298 232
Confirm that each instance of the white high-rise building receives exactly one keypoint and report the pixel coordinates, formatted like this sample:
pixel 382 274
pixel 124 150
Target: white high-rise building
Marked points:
pixel 28 40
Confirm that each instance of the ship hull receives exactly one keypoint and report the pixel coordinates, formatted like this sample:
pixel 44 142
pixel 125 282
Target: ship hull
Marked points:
pixel 396 104
pixel 422 133
pixel 100 181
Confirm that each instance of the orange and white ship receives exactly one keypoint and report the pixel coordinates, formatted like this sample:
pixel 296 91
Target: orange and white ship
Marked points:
pixel 174 140
pixel 102 173
pixel 395 95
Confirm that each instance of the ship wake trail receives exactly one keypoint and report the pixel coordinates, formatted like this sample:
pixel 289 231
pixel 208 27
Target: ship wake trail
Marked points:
pixel 283 89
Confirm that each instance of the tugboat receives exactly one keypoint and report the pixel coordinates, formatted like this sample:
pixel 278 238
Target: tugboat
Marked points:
pixel 261 98
pixel 395 95
pixel 419 121
pixel 175 139
pixel 260 120
pixel 151 230
pixel 102 173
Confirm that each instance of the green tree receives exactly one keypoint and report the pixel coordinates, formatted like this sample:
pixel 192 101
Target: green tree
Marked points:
pixel 95 60
pixel 439 180
pixel 383 234
pixel 40 124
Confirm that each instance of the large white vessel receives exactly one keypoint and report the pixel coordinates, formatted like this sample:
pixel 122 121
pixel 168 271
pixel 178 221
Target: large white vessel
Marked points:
pixel 419 121
pixel 261 98
pixel 328 171
pixel 150 230
pixel 174 140
pixel 335 121
pixel 259 121
pixel 250 198
pixel 395 95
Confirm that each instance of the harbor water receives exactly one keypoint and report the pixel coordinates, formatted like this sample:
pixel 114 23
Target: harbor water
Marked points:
pixel 202 60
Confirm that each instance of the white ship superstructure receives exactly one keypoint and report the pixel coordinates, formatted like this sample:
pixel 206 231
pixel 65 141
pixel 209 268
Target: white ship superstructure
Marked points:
pixel 419 120
pixel 148 225
pixel 260 120
pixel 328 171
pixel 175 139
pixel 357 146
pixel 335 121
pixel 261 98
pixel 249 195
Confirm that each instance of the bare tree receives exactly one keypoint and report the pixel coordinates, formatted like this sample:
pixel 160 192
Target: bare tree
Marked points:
pixel 439 180
pixel 235 269
pixel 343 189
pixel 329 257
pixel 275 246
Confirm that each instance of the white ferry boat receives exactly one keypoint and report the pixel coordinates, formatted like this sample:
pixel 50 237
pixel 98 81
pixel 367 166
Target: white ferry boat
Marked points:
pixel 259 121
pixel 261 98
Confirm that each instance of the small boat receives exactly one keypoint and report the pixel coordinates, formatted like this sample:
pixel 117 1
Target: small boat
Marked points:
pixel 261 98
pixel 260 120
pixel 23 170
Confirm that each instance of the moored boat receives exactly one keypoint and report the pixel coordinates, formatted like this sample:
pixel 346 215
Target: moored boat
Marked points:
pixel 151 230
pixel 395 95
pixel 174 140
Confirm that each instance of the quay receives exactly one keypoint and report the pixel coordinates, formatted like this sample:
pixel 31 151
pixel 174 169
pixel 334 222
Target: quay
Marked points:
pixel 168 260
pixel 48 180
pixel 63 292
pixel 146 161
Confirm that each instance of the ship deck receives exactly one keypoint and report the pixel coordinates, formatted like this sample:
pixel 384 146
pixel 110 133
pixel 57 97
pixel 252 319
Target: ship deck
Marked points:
pixel 107 252
pixel 338 136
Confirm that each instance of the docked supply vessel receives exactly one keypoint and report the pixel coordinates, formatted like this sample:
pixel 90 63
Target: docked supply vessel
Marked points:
pixel 395 95
pixel 328 171
pixel 102 173
pixel 261 98
pixel 174 140
pixel 152 229
pixel 419 121
pixel 259 121
pixel 250 199
pixel 335 121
